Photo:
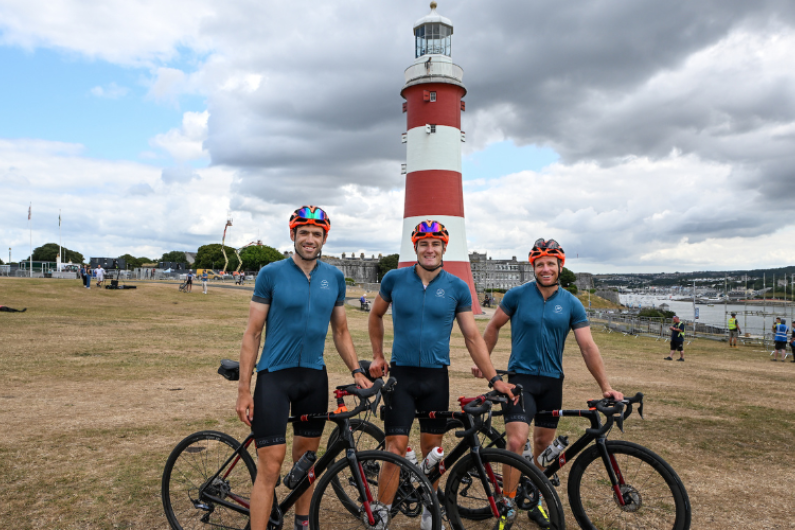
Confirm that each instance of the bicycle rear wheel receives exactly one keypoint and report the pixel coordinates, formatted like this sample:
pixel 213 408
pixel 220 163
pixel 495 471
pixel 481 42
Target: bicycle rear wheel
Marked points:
pixel 185 486
pixel 467 501
pixel 338 504
pixel 654 495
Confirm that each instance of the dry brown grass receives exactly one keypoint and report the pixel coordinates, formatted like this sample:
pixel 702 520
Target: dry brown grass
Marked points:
pixel 98 386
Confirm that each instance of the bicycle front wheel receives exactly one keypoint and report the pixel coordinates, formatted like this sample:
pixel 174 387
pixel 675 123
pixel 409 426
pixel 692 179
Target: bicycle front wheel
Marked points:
pixel 187 484
pixel 653 494
pixel 396 494
pixel 470 508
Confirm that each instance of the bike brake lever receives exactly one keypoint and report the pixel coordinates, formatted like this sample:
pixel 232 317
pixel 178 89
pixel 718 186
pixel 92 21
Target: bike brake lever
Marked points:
pixel 640 410
pixel 620 421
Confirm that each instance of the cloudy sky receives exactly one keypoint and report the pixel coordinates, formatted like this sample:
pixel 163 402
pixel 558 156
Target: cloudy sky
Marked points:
pixel 644 136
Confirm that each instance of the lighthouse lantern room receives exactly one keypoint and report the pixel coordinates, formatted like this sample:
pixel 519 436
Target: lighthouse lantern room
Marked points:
pixel 433 92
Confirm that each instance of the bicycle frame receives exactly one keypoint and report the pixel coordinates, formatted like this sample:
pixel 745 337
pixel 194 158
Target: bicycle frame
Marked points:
pixel 469 443
pixel 344 444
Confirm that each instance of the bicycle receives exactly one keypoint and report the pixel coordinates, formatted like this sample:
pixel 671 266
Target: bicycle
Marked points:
pixel 599 496
pixel 204 484
pixel 633 488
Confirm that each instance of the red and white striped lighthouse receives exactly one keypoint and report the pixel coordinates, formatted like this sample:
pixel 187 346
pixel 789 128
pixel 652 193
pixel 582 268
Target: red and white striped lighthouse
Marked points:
pixel 433 92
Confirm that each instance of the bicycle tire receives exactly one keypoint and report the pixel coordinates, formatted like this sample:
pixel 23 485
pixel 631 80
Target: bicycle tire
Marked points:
pixel 595 505
pixel 192 462
pixel 336 502
pixel 466 511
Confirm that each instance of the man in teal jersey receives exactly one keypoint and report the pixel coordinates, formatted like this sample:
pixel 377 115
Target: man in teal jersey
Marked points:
pixel 297 298
pixel 541 316
pixel 426 300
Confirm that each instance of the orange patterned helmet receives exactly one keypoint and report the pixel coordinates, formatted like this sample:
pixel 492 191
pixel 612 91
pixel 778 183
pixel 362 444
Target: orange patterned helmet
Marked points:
pixel 310 215
pixel 430 229
pixel 548 247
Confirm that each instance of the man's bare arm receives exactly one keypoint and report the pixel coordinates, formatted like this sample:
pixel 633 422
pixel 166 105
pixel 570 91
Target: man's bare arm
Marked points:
pixel 478 352
pixel 492 334
pixel 375 327
pixel 593 360
pixel 257 315
pixel 344 344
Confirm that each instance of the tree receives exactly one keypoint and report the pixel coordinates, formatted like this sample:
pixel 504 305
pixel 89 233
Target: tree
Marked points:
pixel 257 256
pixel 178 256
pixel 49 252
pixel 567 278
pixel 386 264
pixel 132 262
pixel 211 257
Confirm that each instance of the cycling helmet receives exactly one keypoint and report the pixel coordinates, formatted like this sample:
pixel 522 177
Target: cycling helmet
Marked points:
pixel 548 247
pixel 310 215
pixel 430 229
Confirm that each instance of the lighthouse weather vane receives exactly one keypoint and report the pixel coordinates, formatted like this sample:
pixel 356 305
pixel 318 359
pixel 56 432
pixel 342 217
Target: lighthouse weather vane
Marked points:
pixel 433 91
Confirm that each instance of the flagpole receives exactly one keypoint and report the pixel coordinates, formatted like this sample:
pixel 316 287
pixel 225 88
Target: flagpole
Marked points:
pixel 30 229
pixel 60 254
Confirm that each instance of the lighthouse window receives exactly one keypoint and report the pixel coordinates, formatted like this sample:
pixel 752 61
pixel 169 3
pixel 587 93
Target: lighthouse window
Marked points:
pixel 433 128
pixel 432 39
pixel 433 97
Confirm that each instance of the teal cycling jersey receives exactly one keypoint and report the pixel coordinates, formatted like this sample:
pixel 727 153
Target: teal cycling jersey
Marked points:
pixel 423 317
pixel 299 313
pixel 539 328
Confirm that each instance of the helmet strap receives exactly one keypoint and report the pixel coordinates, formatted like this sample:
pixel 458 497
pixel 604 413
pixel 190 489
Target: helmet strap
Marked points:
pixel 440 265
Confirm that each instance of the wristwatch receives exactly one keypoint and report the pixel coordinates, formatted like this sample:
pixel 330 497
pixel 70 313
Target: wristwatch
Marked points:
pixel 359 370
pixel 494 380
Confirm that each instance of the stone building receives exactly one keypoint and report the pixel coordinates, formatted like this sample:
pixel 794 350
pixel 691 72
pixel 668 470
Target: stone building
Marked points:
pixel 359 269
pixel 491 273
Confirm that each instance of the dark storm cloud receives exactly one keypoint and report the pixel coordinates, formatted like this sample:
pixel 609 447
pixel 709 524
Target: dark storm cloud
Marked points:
pixel 597 81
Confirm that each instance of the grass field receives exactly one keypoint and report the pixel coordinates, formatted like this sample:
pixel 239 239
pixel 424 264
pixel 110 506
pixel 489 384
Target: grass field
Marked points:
pixel 99 385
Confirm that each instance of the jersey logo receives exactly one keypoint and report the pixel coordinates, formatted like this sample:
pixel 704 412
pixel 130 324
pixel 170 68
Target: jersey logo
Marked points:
pixel 324 284
pixel 558 309
pixel 440 292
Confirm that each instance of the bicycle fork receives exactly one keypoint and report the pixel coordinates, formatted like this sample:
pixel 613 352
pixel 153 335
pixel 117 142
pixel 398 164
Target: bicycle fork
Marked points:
pixel 487 479
pixel 361 483
pixel 613 471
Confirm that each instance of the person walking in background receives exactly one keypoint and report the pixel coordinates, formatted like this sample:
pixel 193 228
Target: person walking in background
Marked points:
pixel 205 277
pixel 734 331
pixel 100 273
pixel 189 280
pixel 780 338
pixel 677 340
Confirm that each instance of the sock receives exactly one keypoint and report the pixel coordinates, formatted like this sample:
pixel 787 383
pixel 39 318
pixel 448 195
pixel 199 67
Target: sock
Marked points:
pixel 301 522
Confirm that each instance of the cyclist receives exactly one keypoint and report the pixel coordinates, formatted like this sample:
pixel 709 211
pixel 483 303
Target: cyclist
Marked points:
pixel 189 281
pixel 734 330
pixel 677 340
pixel 297 298
pixel 425 300
pixel 780 338
pixel 541 315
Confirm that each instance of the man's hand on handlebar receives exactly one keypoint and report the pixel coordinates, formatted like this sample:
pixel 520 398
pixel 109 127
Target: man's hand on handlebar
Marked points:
pixel 613 395
pixel 362 381
pixel 507 389
pixel 379 367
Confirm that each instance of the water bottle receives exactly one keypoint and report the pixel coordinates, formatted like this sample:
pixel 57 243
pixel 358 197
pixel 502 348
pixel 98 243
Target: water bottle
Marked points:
pixel 411 456
pixel 551 453
pixel 434 457
pixel 300 469
pixel 528 451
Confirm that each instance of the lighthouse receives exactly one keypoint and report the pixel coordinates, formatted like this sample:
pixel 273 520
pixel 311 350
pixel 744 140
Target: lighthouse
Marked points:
pixel 433 92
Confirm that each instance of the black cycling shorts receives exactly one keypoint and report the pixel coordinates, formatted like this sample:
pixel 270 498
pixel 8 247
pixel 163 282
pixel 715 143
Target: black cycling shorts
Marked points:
pixel 539 393
pixel 677 346
pixel 417 390
pixel 295 391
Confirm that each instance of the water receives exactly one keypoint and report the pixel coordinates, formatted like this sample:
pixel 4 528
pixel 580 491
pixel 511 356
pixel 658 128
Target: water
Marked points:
pixel 753 322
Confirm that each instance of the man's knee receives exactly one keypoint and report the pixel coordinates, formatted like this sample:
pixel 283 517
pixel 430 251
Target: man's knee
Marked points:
pixel 397 444
pixel 516 436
